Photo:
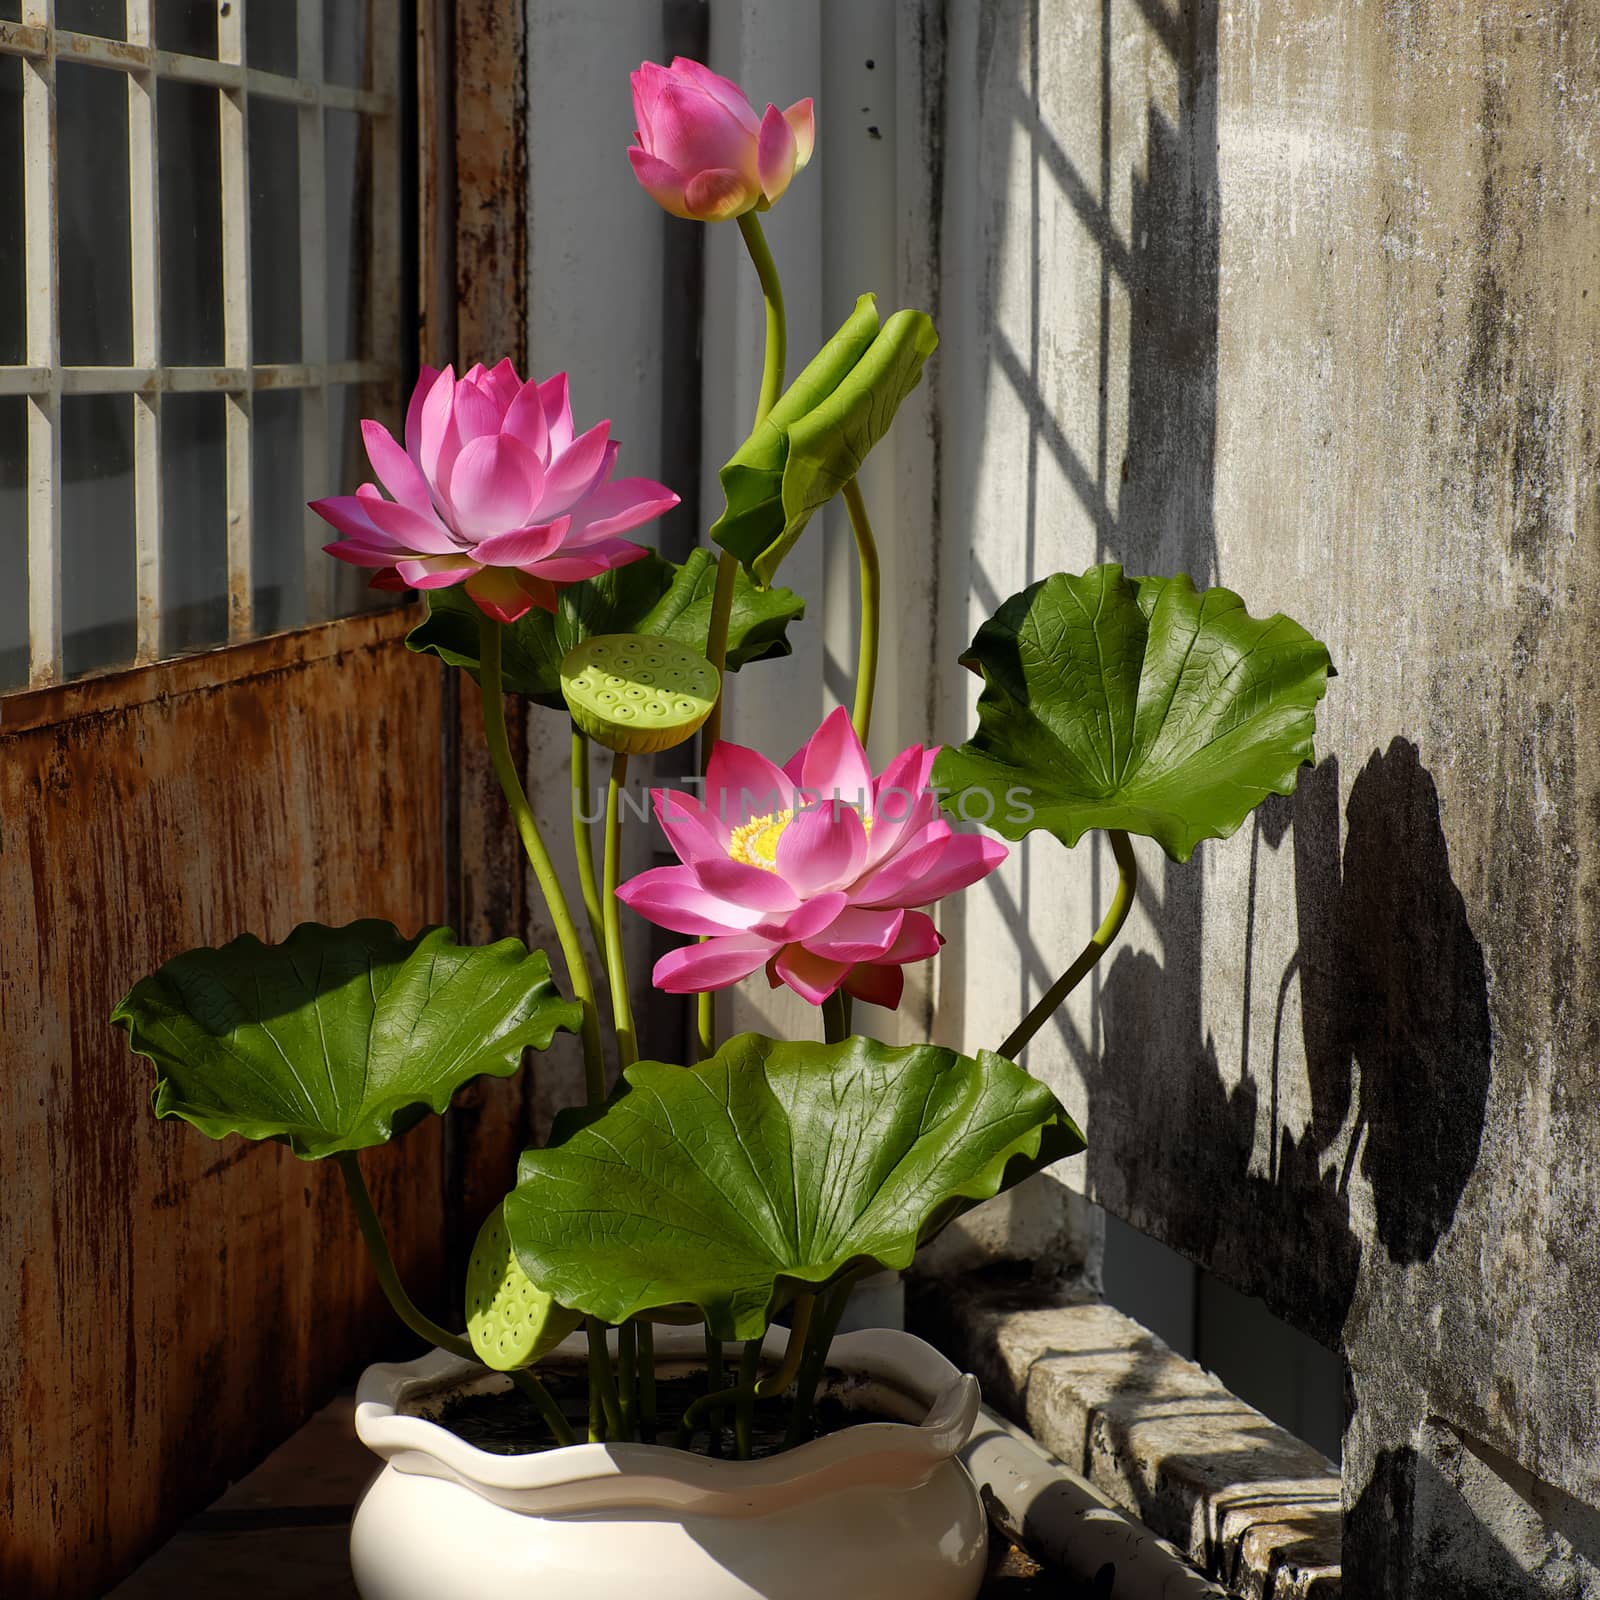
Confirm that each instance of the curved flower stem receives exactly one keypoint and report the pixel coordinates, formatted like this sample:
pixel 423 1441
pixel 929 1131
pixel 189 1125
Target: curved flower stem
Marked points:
pixel 755 242
pixel 505 769
pixel 799 1327
pixel 867 656
pixel 583 836
pixel 602 1380
pixel 611 913
pixel 1110 927
pixel 383 1263
pixel 547 1408
pixel 836 1017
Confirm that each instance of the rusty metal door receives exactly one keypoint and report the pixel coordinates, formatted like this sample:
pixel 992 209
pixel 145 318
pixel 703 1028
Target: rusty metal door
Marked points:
pixel 234 749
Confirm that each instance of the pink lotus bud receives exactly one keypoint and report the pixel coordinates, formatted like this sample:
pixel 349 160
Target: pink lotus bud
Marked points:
pixel 492 490
pixel 701 151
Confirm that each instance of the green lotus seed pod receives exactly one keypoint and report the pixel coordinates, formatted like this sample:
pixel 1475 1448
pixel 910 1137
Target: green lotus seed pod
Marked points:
pixel 510 1319
pixel 635 694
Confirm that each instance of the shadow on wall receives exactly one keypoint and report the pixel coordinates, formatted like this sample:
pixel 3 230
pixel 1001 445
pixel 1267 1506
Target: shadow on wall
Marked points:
pixel 1420 1528
pixel 1393 991
pixel 1395 1025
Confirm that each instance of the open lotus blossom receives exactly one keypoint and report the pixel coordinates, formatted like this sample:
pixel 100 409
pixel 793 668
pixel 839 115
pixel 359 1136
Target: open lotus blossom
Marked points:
pixel 701 151
pixel 492 490
pixel 815 870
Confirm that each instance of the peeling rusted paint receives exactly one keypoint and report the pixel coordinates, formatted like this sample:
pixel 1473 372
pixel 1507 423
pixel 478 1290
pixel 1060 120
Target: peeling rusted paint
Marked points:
pixel 181 1306
pixel 491 93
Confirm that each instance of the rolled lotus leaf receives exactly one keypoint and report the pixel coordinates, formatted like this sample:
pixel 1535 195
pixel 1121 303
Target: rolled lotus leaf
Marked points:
pixel 636 695
pixel 510 1319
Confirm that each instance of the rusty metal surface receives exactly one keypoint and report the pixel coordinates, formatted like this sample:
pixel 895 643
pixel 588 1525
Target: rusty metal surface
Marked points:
pixel 176 1306
pixel 491 181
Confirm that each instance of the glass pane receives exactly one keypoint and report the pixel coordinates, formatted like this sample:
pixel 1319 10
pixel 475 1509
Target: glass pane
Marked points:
pixel 10 10
pixel 13 335
pixel 194 527
pixel 344 44
pixel 274 230
pixel 13 543
pixel 270 37
pixel 191 226
pixel 104 17
pixel 348 144
pixel 97 554
pixel 92 166
pixel 187 26
pixel 279 554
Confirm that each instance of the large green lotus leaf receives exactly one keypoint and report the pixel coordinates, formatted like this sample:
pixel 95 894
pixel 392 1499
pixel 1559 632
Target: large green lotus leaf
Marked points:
pixel 650 596
pixel 815 438
pixel 337 1038
pixel 771 1167
pixel 1133 703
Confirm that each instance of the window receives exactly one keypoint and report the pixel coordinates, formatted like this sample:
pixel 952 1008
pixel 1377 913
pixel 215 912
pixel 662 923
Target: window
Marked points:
pixel 201 292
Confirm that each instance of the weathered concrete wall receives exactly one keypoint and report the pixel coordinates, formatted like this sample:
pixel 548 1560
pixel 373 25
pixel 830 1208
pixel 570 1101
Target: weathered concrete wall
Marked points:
pixel 1302 298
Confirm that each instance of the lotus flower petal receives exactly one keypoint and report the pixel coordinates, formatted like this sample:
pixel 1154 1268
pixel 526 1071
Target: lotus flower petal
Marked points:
pixel 777 153
pixel 712 965
pixel 494 486
pixel 801 117
pixel 822 848
pixel 812 977
pixel 674 898
pixel 399 474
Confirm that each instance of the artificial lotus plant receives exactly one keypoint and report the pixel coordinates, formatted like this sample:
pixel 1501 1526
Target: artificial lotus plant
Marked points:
pixel 760 1179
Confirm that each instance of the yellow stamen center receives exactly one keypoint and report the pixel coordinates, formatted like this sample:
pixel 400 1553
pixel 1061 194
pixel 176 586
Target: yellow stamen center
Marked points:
pixel 756 842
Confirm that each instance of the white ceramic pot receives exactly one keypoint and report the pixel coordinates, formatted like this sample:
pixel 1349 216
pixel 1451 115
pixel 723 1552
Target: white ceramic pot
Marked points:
pixel 877 1511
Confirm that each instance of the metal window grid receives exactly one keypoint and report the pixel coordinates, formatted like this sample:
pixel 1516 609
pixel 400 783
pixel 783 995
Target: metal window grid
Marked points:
pixel 44 380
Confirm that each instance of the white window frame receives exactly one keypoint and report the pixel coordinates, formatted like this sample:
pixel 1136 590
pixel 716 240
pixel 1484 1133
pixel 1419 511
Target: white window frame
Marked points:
pixel 44 380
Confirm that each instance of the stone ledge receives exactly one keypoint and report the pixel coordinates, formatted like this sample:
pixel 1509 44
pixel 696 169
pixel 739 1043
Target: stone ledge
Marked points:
pixel 1250 1504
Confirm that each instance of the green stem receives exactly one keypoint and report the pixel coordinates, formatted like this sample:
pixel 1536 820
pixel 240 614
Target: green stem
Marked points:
pixel 835 1018
pixel 383 1263
pixel 799 1328
pixel 494 728
pixel 715 1396
pixel 1110 927
pixel 616 958
pixel 867 656
pixel 602 1379
pixel 628 1374
pixel 583 836
pixel 818 1341
pixel 548 1409
pixel 755 242
pixel 744 1412
pixel 647 1381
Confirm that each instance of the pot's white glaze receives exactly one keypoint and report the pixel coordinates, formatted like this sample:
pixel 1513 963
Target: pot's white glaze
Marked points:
pixel 878 1511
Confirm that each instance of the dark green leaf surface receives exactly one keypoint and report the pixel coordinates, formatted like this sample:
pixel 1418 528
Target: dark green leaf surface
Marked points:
pixel 1133 703
pixel 771 1167
pixel 338 1037
pixel 651 596
pixel 820 431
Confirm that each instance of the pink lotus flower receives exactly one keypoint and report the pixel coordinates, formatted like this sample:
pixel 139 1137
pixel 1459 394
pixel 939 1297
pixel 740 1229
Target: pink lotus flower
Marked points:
pixel 701 151
pixel 813 870
pixel 492 490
